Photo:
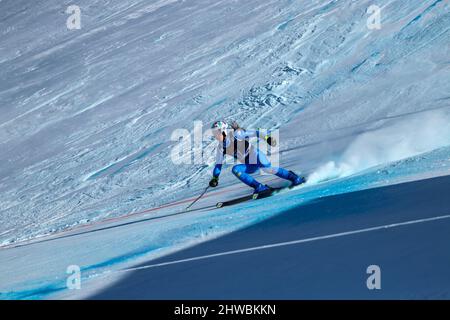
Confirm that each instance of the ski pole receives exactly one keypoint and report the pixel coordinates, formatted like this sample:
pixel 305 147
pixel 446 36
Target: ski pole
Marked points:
pixel 199 197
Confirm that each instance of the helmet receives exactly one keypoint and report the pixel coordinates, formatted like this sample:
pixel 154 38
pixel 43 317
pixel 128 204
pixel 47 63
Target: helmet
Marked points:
pixel 220 125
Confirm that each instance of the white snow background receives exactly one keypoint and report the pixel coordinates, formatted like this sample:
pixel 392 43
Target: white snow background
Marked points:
pixel 87 115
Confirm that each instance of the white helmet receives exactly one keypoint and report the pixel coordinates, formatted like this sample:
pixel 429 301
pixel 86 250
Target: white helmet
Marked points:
pixel 220 125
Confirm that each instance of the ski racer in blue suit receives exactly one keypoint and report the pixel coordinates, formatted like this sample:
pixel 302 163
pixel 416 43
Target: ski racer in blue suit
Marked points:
pixel 235 143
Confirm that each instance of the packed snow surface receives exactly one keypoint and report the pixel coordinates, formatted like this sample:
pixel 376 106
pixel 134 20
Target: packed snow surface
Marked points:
pixel 88 115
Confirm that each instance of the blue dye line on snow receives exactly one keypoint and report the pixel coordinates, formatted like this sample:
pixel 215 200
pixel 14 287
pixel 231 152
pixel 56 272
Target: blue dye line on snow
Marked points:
pixel 217 103
pixel 424 12
pixel 142 155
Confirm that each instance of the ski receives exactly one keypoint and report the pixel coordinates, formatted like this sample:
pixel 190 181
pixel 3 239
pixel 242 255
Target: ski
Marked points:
pixel 234 201
pixel 255 196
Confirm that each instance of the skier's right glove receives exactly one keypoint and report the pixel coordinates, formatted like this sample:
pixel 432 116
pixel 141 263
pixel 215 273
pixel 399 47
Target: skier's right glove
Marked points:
pixel 214 182
pixel 235 125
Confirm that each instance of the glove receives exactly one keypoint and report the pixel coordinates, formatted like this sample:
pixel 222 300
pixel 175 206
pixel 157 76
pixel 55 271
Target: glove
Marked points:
pixel 235 125
pixel 214 182
pixel 270 140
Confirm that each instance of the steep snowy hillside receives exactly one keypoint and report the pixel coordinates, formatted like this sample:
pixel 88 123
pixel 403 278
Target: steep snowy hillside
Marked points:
pixel 87 115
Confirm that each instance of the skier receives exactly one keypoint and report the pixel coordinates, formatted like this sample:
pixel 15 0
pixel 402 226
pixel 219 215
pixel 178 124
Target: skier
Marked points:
pixel 235 143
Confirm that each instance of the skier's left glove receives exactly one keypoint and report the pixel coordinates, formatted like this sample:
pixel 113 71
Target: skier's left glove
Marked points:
pixel 214 182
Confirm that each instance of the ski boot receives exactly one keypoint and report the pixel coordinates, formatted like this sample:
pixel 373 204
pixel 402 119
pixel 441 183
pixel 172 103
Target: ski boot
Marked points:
pixel 261 190
pixel 295 179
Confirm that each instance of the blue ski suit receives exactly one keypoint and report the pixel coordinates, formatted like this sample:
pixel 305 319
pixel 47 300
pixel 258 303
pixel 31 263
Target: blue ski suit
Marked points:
pixel 236 144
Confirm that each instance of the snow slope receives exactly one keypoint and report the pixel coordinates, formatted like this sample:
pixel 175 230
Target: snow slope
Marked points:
pixel 105 251
pixel 87 115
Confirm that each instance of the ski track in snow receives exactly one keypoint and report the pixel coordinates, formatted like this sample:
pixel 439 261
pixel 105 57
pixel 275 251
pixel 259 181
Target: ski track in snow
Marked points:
pixel 87 115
